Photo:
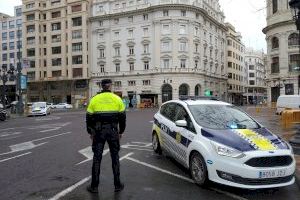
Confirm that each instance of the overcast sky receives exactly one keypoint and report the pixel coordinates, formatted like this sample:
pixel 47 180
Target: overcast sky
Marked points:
pixel 248 16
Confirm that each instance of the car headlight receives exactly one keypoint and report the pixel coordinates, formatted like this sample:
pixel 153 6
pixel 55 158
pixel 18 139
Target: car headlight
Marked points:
pixel 226 151
pixel 290 147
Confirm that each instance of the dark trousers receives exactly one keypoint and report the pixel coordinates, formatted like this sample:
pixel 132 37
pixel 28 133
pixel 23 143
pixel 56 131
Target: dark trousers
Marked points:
pixel 114 147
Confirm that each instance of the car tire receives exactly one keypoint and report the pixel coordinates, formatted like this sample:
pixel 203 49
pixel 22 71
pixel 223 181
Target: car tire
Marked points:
pixel 2 118
pixel 198 169
pixel 155 144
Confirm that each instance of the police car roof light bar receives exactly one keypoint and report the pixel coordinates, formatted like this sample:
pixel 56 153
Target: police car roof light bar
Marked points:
pixel 187 97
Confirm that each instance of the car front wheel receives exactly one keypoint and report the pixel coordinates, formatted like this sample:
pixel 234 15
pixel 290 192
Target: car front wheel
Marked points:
pixel 198 169
pixel 2 117
pixel 156 144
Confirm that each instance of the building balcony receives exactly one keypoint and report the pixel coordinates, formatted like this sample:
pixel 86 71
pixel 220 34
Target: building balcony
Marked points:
pixel 147 72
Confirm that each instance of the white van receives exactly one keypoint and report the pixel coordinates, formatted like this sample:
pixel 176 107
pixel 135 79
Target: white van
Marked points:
pixel 287 101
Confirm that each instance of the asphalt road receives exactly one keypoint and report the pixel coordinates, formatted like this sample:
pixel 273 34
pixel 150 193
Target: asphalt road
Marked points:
pixel 50 158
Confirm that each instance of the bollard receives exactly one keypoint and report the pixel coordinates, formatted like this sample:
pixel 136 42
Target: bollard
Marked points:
pixel 295 141
pixel 258 109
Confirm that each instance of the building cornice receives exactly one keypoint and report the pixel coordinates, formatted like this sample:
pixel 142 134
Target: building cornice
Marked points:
pixel 156 8
pixel 266 29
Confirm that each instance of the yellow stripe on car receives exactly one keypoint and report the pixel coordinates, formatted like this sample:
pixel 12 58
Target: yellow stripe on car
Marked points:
pixel 258 141
pixel 157 130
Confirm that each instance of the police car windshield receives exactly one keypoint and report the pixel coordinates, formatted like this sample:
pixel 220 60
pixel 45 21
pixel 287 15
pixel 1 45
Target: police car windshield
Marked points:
pixel 221 117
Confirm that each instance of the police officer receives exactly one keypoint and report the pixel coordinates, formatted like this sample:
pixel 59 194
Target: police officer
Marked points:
pixel 106 122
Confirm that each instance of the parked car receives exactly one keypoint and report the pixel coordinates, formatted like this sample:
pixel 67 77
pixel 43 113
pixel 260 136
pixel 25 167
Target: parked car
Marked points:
pixel 62 106
pixel 217 141
pixel 287 101
pixel 39 109
pixel 3 114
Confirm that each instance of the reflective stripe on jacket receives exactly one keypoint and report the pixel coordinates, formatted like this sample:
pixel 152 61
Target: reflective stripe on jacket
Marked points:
pixel 105 108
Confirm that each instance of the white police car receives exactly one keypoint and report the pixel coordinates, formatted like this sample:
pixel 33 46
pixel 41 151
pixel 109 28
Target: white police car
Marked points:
pixel 216 141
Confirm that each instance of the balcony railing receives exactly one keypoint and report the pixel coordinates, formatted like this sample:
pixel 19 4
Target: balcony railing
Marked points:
pixel 150 71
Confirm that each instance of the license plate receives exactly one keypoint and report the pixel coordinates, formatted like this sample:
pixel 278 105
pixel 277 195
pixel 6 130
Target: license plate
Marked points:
pixel 272 173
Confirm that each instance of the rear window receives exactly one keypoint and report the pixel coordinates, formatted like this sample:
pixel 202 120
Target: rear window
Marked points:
pixel 221 117
pixel 38 105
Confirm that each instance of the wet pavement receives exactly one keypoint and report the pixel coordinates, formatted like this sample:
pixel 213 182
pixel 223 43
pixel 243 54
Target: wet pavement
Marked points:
pixel 267 117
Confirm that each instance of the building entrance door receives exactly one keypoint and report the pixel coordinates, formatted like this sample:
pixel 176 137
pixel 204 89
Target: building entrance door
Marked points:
pixel 166 92
pixel 275 93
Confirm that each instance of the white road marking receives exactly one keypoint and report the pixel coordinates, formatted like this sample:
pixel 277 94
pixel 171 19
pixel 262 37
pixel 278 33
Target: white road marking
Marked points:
pixel 6 129
pixel 10 134
pixel 73 187
pixel 15 157
pixel 138 149
pixel 70 189
pixel 161 170
pixel 48 130
pixel 51 136
pixel 126 156
pixel 142 147
pixel 25 146
pixel 88 152
pixel 183 178
pixel 146 144
pixel 22 147
pixel 47 119
pixel 151 121
pixel 29 144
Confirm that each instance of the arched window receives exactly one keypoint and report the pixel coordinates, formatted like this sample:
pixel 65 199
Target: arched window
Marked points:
pixel 198 90
pixel 275 43
pixel 183 89
pixel 293 39
pixel 166 91
pixel 275 6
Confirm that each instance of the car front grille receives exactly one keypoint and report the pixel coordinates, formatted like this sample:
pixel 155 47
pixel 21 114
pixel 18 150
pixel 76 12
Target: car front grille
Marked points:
pixel 274 161
pixel 250 181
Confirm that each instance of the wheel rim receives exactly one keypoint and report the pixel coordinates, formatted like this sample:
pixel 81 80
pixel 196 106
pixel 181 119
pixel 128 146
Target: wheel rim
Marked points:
pixel 197 169
pixel 154 142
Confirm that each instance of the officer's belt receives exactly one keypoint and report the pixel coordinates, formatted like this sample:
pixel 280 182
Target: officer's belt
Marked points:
pixel 106 117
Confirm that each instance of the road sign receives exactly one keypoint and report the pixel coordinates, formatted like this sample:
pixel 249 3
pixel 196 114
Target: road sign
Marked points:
pixel 23 82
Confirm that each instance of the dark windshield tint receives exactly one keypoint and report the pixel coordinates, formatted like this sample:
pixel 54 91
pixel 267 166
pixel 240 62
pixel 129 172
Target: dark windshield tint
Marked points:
pixel 221 117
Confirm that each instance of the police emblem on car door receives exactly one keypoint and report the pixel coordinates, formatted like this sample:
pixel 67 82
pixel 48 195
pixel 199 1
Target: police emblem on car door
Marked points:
pixel 183 133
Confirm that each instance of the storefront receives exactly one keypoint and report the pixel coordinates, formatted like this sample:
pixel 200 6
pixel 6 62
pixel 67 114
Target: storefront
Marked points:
pixel 148 99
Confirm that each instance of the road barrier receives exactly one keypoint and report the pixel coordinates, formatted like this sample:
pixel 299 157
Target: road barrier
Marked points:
pixel 290 117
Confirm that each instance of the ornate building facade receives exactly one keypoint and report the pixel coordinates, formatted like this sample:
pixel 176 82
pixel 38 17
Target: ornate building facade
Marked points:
pixel 56 49
pixel 236 66
pixel 10 49
pixel 255 90
pixel 157 50
pixel 283 58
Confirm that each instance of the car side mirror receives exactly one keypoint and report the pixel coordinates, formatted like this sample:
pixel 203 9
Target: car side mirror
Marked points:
pixel 181 123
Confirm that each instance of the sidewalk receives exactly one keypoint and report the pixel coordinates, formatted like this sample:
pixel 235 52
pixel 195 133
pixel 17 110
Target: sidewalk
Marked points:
pixel 267 117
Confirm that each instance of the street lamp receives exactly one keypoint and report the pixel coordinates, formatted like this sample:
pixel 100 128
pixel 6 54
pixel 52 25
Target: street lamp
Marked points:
pixel 5 75
pixel 20 106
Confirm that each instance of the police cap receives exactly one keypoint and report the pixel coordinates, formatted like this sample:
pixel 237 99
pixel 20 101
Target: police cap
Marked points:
pixel 106 81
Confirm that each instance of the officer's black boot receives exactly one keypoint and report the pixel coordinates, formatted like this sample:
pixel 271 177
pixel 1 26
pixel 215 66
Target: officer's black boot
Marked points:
pixel 119 187
pixel 92 189
pixel 118 184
